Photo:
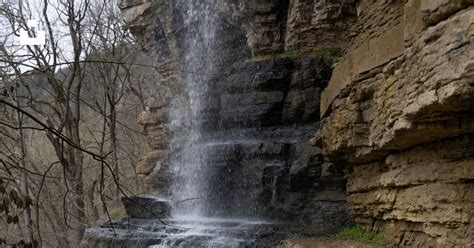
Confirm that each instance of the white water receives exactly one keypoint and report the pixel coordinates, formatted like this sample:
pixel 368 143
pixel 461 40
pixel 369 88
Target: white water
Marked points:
pixel 188 165
pixel 211 232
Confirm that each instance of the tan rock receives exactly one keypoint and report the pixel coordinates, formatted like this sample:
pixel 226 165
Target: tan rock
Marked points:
pixel 151 162
pixel 324 242
pixel 399 115
pixel 427 87
pixel 155 117
pixel 313 24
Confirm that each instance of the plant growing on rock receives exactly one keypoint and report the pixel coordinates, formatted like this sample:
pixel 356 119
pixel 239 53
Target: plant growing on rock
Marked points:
pixel 359 234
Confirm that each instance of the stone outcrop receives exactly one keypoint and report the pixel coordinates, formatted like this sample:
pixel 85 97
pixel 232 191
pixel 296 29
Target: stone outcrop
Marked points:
pixel 278 175
pixel 151 23
pixel 398 115
pixel 266 29
pixel 315 23
pixel 324 242
pixel 146 207
pixel 264 101
pixel 420 197
pixel 395 136
pixel 397 112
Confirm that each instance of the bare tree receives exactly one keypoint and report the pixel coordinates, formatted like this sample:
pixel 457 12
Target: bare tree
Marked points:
pixel 49 101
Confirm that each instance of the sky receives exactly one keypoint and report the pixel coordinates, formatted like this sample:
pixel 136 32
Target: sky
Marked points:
pixel 36 7
pixel 59 28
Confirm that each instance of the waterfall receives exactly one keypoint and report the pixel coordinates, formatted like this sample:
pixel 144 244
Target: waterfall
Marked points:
pixel 198 64
pixel 242 171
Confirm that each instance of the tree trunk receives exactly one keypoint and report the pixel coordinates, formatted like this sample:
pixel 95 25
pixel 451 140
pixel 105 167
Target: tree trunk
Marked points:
pixel 23 174
pixel 113 138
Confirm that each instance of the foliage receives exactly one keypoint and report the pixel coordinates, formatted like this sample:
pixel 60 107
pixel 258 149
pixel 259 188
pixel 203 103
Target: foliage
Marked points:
pixel 332 51
pixel 117 213
pixel 293 55
pixel 66 133
pixel 359 234
pixel 11 206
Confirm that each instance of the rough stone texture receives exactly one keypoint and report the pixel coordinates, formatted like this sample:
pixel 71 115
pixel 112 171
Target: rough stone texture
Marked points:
pixel 145 207
pixel 313 24
pixel 262 116
pixel 424 193
pixel 405 81
pixel 150 162
pixel 325 242
pixel 152 24
pixel 249 28
pixel 398 114
pixel 215 233
pixel 266 29
pixel 271 102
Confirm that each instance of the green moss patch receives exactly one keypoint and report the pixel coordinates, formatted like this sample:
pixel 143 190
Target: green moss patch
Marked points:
pixel 117 213
pixel 359 234
pixel 330 55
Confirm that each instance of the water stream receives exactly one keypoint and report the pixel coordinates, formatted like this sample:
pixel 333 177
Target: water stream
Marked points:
pixel 190 173
pixel 227 167
pixel 198 209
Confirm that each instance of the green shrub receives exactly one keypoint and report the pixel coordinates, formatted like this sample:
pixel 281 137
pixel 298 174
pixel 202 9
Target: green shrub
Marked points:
pixel 332 51
pixel 117 213
pixel 359 234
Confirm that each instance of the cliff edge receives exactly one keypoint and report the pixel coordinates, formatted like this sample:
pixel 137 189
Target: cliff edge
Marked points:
pixel 398 114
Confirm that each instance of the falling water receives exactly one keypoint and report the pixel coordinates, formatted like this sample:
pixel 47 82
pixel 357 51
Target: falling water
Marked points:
pixel 230 152
pixel 198 65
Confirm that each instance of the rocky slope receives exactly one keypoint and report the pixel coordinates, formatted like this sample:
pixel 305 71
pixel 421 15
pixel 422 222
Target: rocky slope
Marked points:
pixel 398 113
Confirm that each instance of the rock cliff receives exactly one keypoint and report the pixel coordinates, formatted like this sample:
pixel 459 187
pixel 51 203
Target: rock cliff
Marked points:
pixel 398 114
pixel 395 120
pixel 273 59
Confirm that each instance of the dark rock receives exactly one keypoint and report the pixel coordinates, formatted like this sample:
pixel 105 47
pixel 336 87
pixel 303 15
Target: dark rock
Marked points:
pixel 259 107
pixel 305 171
pixel 161 41
pixel 143 233
pixel 328 171
pixel 143 207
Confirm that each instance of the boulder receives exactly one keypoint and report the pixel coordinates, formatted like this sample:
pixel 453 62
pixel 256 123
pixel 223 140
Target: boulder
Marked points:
pixel 145 207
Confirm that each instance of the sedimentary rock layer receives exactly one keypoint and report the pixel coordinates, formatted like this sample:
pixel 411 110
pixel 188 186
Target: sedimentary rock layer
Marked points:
pixel 399 115
pixel 272 59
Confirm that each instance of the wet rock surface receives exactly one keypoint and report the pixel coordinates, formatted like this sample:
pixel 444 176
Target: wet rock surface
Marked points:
pixel 273 174
pixel 189 232
pixel 252 89
pixel 146 207
pixel 255 116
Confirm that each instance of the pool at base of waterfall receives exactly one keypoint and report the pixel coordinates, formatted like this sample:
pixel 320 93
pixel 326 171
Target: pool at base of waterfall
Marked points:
pixel 193 231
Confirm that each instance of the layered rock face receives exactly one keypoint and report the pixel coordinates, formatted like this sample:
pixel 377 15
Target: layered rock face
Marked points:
pixel 318 23
pixel 398 114
pixel 262 105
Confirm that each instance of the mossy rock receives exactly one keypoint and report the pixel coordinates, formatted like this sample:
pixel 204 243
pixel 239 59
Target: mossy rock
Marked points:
pixel 359 234
pixel 331 55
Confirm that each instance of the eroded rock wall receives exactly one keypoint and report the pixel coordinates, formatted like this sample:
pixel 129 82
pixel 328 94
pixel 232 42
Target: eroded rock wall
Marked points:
pixel 319 23
pixel 420 197
pixel 398 113
pixel 264 101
